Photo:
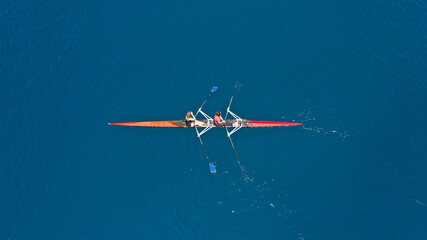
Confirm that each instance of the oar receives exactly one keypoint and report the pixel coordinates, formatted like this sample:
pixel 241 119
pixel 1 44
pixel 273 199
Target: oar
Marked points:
pixel 211 166
pixel 214 88
pixel 226 129
pixel 231 99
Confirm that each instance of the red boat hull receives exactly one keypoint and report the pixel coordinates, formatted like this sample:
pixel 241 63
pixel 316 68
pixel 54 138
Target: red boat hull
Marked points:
pixel 259 124
pixel 182 124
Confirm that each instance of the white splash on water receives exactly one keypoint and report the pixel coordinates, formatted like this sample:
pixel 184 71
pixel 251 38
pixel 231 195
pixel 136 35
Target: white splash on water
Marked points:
pixel 308 120
pixel 419 202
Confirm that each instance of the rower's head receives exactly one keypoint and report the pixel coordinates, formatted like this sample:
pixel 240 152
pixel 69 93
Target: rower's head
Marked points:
pixel 218 113
pixel 189 114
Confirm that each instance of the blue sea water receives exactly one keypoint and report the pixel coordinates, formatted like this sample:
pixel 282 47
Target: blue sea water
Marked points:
pixel 353 72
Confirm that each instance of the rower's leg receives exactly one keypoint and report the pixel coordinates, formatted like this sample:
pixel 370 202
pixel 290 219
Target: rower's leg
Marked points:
pixel 200 123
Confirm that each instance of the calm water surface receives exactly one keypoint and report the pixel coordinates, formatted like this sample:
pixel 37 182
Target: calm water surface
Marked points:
pixel 353 72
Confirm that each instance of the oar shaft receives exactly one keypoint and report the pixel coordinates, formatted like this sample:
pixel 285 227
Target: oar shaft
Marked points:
pixel 214 88
pixel 234 149
pixel 231 100
pixel 210 94
pixel 204 149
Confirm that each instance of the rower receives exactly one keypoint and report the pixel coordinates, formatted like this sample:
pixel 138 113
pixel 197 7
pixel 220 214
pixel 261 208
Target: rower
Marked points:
pixel 218 121
pixel 190 120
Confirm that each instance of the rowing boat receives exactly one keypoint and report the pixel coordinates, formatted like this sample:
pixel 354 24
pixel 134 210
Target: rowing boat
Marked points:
pixel 229 123
pixel 233 124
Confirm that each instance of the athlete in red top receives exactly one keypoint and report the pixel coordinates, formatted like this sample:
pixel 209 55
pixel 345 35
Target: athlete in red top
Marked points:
pixel 218 119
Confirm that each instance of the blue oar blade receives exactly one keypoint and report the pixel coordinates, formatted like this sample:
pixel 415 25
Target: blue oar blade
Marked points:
pixel 214 88
pixel 212 168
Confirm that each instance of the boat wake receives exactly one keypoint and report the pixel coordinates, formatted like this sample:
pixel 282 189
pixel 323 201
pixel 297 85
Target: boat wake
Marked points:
pixel 420 203
pixel 342 135
pixel 245 175
pixel 308 120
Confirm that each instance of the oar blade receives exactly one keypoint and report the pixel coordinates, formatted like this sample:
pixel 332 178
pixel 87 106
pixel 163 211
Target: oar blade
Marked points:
pixel 214 88
pixel 212 168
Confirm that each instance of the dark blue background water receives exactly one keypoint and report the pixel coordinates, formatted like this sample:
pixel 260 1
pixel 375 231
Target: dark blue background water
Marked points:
pixel 353 72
